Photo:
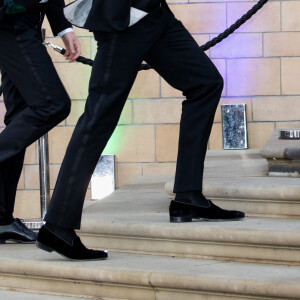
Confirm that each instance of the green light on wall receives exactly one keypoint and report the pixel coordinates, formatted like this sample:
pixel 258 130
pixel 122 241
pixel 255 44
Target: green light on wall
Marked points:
pixel 115 143
pixel 121 134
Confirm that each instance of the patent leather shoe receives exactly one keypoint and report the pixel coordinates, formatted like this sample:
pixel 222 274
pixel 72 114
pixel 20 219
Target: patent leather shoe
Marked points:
pixel 17 232
pixel 47 240
pixel 182 212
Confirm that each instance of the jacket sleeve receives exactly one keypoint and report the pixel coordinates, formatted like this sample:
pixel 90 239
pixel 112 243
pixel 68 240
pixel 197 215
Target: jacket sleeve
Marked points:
pixel 27 3
pixel 56 17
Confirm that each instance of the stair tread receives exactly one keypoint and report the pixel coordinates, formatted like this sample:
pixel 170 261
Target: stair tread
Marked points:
pixel 14 295
pixel 263 231
pixel 140 209
pixel 238 163
pixel 161 220
pixel 149 270
pixel 243 174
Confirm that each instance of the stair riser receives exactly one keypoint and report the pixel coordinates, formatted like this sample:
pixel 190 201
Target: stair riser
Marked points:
pixel 192 249
pixel 89 289
pixel 75 288
pixel 261 208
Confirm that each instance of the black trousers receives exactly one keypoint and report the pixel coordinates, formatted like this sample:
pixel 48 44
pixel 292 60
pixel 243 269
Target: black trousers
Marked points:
pixel 34 97
pixel 165 44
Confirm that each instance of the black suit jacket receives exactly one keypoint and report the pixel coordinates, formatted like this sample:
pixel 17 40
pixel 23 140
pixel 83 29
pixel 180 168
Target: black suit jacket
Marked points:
pixel 110 15
pixel 56 17
pixel 53 9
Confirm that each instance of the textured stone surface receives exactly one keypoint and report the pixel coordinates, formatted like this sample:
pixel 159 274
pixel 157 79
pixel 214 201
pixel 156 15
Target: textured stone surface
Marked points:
pixel 276 148
pixel 267 19
pixel 15 295
pixel 138 277
pixel 132 218
pixel 290 22
pixel 255 76
pixel 196 260
pixel 250 45
pixel 279 108
pixel 282 44
pixel 238 180
pixel 258 133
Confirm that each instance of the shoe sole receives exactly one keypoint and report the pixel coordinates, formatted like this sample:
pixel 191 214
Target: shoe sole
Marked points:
pixel 186 219
pixel 49 249
pixel 17 241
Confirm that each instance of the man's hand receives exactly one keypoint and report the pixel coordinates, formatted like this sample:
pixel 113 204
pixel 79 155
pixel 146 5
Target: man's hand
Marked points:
pixel 72 45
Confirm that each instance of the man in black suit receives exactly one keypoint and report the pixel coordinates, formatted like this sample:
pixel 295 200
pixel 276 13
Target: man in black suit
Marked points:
pixel 129 32
pixel 34 97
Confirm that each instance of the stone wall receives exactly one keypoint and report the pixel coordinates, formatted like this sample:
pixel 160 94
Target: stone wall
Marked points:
pixel 260 64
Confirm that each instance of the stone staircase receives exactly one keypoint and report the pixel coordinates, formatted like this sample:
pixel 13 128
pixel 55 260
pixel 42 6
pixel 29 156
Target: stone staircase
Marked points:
pixel 150 258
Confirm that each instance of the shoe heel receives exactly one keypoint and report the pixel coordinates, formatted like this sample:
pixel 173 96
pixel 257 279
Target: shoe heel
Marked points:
pixel 180 219
pixel 43 247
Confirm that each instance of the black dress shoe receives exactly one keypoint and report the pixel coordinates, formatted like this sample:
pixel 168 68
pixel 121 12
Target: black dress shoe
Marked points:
pixel 181 212
pixel 50 242
pixel 17 232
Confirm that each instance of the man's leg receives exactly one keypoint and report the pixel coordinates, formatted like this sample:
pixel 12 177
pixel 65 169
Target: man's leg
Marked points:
pixel 29 69
pixel 108 91
pixel 115 67
pixel 10 169
pixel 181 62
pixel 36 101
pixel 10 172
pixel 109 88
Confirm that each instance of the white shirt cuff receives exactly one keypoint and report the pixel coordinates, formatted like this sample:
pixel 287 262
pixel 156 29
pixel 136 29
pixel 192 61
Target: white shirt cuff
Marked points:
pixel 62 33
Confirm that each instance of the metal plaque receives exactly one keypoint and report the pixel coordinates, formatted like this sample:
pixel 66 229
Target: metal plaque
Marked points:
pixel 234 126
pixel 103 178
pixel 289 134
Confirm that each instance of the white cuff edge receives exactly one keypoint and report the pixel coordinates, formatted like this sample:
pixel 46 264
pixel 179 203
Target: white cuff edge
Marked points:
pixel 62 33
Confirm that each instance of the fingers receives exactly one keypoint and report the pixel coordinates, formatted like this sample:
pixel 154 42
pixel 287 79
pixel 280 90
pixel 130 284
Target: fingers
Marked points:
pixel 72 46
pixel 71 56
pixel 76 49
pixel 66 55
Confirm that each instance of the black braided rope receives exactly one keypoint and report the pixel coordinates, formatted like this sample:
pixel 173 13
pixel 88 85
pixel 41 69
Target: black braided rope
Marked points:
pixel 208 45
pixel 235 26
pixel 81 59
pixel 228 31
pixel 85 61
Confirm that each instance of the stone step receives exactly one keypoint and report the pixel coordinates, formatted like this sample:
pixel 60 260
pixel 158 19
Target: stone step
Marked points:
pixel 136 277
pixel 282 155
pixel 237 179
pixel 135 219
pixel 257 196
pixel 14 295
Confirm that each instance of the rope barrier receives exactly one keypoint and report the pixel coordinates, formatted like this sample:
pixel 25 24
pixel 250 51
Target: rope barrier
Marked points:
pixel 235 26
pixel 208 45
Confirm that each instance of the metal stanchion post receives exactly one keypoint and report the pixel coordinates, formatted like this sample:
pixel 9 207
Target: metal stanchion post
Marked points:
pixel 44 176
